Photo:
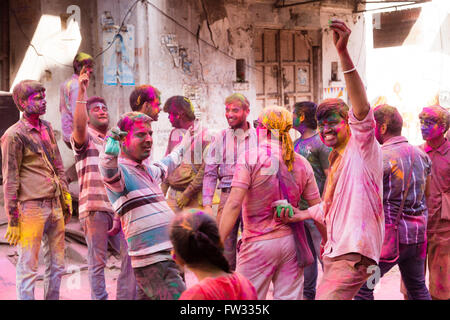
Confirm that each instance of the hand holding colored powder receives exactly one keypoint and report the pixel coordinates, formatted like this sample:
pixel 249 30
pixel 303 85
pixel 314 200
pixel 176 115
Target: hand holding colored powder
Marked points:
pixel 287 208
pixel 112 141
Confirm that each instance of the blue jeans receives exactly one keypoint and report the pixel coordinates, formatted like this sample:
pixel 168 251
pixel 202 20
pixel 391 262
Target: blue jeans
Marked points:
pixel 411 263
pixel 310 272
pixel 95 227
pixel 40 220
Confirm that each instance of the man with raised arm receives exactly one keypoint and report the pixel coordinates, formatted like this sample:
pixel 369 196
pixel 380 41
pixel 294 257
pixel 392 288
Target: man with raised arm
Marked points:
pixel 352 207
pixel 96 215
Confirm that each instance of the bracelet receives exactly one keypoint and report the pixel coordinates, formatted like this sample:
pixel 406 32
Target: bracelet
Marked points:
pixel 81 101
pixel 348 71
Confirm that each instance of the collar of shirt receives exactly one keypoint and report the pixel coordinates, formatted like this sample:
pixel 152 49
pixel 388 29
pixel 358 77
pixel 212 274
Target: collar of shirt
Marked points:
pixel 246 134
pixel 442 149
pixel 29 126
pixel 394 140
pixel 96 133
pixel 130 162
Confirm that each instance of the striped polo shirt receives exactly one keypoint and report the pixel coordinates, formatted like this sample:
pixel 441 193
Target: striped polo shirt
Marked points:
pixel 93 195
pixel 134 191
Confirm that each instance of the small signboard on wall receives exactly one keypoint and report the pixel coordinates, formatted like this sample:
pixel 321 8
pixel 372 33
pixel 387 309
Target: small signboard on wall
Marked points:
pixel 118 60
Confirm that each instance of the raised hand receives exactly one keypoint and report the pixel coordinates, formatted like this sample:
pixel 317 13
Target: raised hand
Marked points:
pixel 83 79
pixel 341 34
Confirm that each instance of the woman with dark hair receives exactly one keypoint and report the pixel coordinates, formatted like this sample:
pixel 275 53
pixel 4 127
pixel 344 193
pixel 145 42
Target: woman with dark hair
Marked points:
pixel 196 244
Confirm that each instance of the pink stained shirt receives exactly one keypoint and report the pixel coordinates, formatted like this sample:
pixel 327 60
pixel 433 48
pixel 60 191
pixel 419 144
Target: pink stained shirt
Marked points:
pixel 438 201
pixel 232 287
pixel 353 210
pixel 253 173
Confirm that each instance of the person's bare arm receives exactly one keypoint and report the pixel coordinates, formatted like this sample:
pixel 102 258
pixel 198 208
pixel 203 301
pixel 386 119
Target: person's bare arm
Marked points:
pixel 231 211
pixel 355 86
pixel 80 115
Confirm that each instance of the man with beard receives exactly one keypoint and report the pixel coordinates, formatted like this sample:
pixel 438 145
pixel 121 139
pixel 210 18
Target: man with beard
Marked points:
pixel 352 208
pixel 33 179
pixel 434 122
pixel 221 161
pixel 184 185
pixel 91 122
pixel 133 189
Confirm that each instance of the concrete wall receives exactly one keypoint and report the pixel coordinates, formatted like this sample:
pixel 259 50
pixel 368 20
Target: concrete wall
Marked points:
pixel 211 34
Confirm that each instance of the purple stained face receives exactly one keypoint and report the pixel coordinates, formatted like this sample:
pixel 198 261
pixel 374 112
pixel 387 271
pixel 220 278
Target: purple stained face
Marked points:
pixel 430 124
pixel 35 104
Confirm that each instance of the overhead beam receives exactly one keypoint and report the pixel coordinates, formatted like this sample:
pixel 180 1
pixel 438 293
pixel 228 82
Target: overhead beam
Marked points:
pixel 277 5
pixel 411 3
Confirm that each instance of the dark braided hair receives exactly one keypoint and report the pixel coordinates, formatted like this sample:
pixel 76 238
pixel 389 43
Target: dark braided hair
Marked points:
pixel 195 237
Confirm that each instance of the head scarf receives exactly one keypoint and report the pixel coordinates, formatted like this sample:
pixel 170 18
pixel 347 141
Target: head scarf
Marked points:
pixel 279 121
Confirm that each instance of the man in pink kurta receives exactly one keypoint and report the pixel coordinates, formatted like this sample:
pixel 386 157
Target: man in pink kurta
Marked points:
pixel 352 210
pixel 352 207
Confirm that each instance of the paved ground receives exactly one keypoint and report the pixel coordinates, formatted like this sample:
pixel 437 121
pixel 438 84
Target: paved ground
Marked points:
pixel 75 284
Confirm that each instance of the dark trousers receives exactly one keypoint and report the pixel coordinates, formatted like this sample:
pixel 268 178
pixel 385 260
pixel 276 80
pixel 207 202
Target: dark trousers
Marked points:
pixel 159 281
pixel 411 263
pixel 230 245
pixel 310 272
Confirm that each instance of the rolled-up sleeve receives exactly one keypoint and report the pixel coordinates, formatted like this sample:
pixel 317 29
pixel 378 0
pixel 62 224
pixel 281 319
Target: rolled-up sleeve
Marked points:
pixel 12 153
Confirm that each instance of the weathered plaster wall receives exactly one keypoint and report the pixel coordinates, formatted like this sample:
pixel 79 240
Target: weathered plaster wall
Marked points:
pixel 209 35
pixel 229 26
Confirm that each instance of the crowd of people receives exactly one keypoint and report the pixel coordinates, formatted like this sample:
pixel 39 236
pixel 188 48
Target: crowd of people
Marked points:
pixel 349 195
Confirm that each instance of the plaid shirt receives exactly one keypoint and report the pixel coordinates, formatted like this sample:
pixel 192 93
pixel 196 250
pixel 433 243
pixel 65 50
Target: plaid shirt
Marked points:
pixel 26 176
pixel 221 159
pixel 93 195
pixel 396 169
pixel 134 192
pixel 67 100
